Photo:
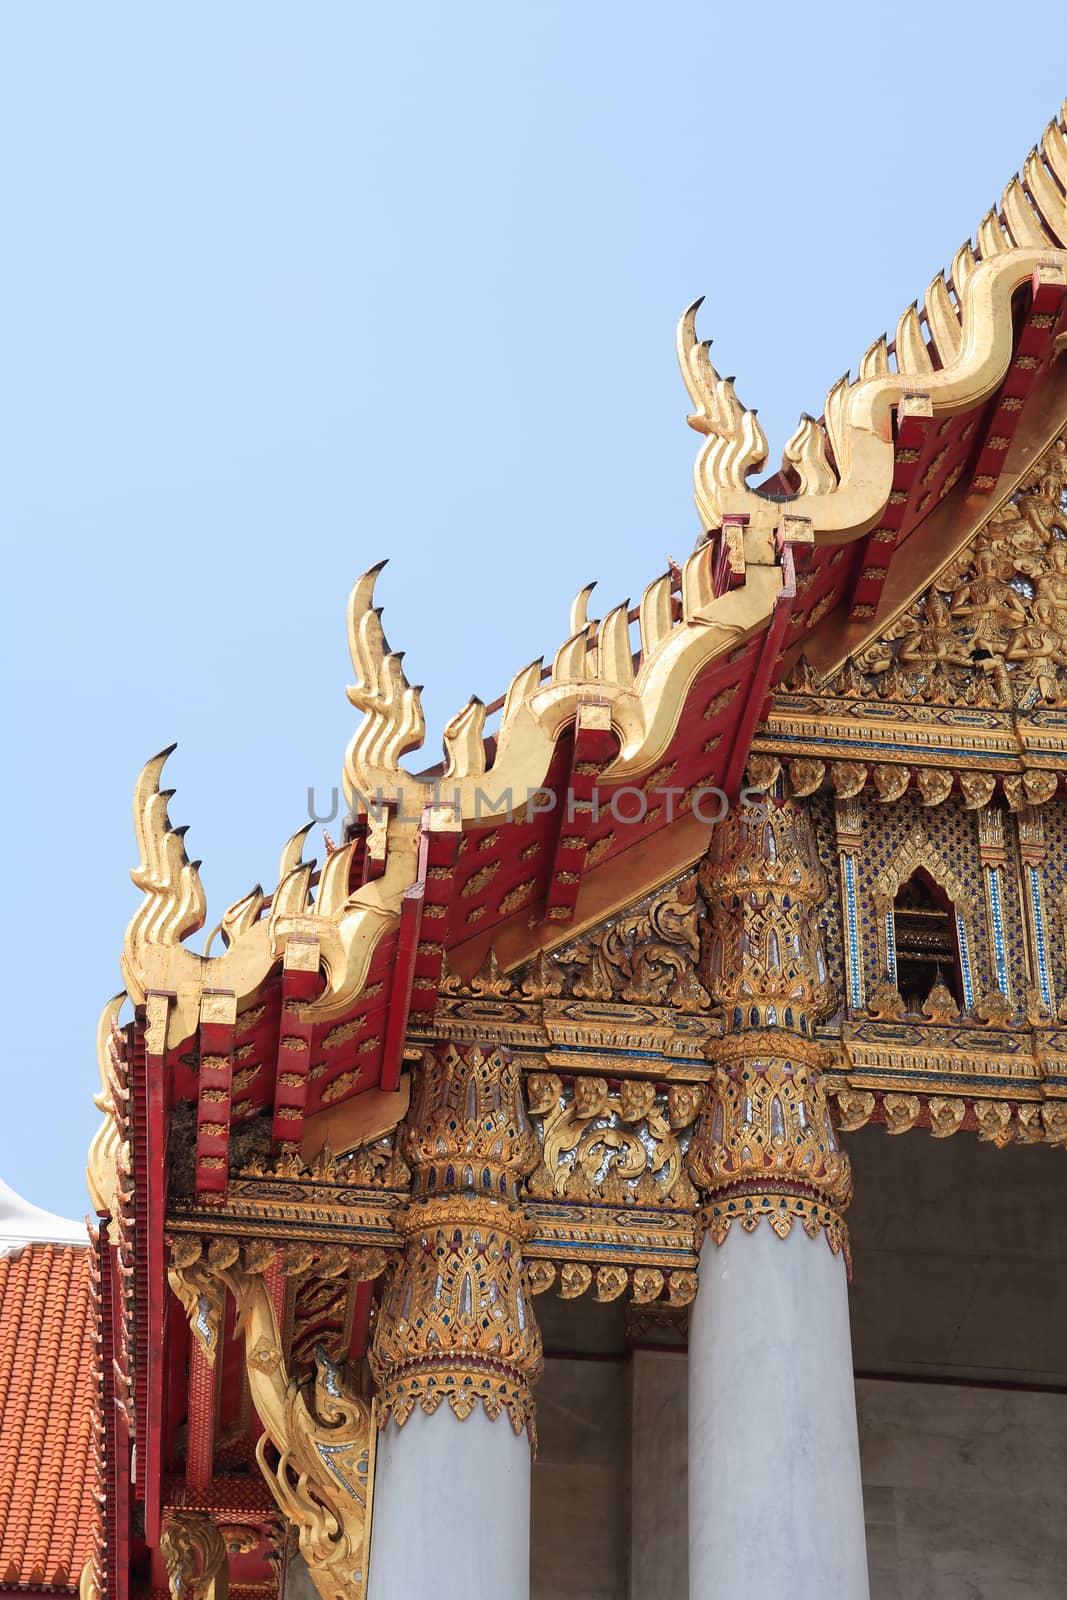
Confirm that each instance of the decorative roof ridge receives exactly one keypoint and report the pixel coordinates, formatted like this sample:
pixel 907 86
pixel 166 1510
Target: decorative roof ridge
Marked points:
pixel 953 350
pixel 598 685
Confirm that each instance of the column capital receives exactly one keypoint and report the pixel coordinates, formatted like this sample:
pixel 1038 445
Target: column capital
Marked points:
pixel 457 1320
pixel 765 1146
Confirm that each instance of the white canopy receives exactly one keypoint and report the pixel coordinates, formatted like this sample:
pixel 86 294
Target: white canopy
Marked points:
pixel 22 1223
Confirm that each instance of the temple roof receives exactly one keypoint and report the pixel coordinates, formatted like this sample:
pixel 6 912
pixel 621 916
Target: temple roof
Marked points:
pixel 47 1382
pixel 520 839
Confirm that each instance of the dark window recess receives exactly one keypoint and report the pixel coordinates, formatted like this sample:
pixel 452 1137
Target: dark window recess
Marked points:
pixel 924 925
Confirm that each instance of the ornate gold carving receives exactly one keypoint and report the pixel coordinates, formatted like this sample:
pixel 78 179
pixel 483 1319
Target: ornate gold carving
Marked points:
pixel 855 1108
pixel 977 789
pixel 194 1553
pixel 934 785
pixel 377 1164
pixel 939 1005
pixel 647 1285
pixel 805 777
pixel 765 1145
pixel 1054 1121
pixel 107 1152
pixel 574 1279
pixel 994 1008
pixel 994 1122
pixel 991 630
pixel 622 1147
pixel 337 930
pixel 317 1449
pixel 456 1321
pixel 489 980
pixel 541 1276
pixel 719 702
pixel 647 956
pixel 946 1115
pixel 518 896
pixel 848 777
pixel 201 1291
pixel 762 772
pixel 901 1112
pixel 886 1000
pixel 890 781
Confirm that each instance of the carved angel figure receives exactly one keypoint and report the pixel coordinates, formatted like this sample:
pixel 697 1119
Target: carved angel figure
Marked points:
pixel 936 639
pixel 995 607
pixel 1041 647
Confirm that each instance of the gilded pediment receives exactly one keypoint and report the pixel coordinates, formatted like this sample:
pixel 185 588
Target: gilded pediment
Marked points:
pixel 991 629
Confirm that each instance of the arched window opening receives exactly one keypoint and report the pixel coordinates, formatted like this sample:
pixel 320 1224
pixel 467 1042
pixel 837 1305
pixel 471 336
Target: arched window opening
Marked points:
pixel 924 937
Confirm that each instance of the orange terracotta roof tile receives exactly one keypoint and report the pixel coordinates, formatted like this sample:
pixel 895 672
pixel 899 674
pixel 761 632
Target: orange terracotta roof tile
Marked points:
pixel 47 1390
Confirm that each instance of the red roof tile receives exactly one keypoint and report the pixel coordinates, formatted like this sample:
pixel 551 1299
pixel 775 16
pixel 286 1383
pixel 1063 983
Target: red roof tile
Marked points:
pixel 47 1388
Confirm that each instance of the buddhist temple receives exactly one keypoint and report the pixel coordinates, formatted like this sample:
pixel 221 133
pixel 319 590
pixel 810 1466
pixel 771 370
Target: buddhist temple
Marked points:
pixel 629 1160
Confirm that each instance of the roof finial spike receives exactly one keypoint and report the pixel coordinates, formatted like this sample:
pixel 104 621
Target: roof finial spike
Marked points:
pixel 580 607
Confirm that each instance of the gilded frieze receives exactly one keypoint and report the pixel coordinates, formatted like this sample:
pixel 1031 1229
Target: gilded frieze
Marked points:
pixel 625 1146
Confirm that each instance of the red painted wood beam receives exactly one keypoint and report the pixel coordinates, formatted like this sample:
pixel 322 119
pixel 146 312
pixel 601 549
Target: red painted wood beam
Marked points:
pixel 218 1019
pixel 794 539
pixel 417 967
pixel 364 1297
pixel 157 1119
pixel 238 1498
pixel 593 746
pixel 300 982
pixel 201 1419
pixel 115 1508
pixel 1034 347
pixel 439 843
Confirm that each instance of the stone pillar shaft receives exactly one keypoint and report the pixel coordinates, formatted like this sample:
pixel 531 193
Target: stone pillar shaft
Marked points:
pixel 451 1509
pixel 775 1503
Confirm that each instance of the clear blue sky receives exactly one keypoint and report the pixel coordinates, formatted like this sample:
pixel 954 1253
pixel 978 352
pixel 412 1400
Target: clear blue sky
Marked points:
pixel 290 288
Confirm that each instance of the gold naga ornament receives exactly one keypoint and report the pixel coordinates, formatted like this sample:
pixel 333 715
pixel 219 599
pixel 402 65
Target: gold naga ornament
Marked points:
pixel 457 1322
pixel 317 1450
pixel 765 1146
pixel 194 1553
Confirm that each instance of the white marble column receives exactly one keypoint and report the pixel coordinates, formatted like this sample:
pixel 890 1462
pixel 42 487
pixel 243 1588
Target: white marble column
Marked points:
pixel 775 1504
pixel 451 1510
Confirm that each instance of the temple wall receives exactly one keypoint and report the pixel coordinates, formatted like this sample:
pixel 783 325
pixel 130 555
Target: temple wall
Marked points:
pixel 965 1488
pixel 965 1491
pixel 581 1481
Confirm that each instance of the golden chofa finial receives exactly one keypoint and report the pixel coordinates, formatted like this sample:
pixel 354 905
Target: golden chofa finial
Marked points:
pixel 174 904
pixel 736 444
pixel 393 721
